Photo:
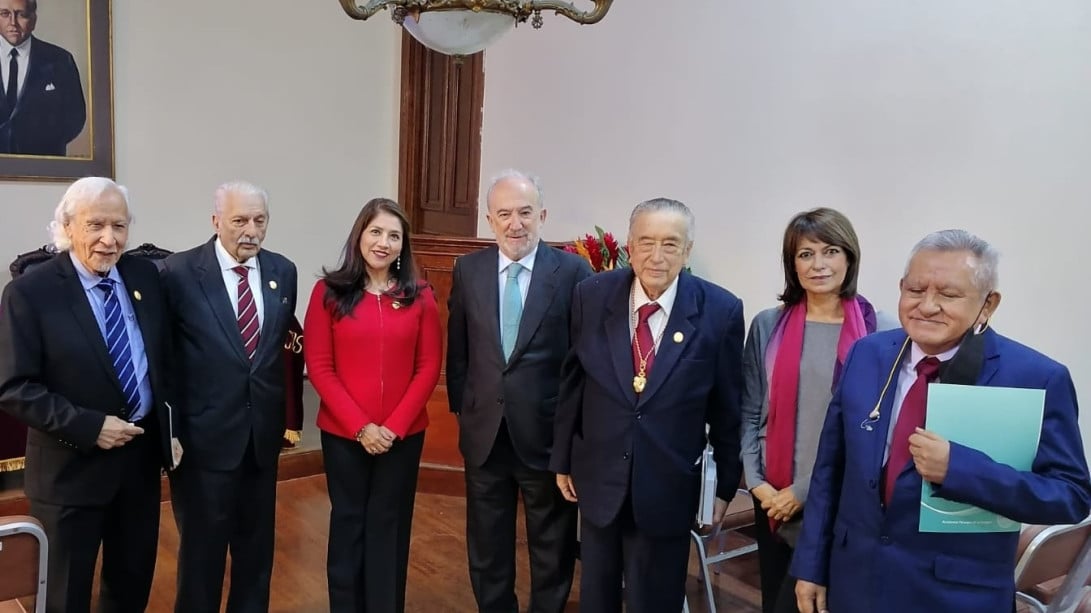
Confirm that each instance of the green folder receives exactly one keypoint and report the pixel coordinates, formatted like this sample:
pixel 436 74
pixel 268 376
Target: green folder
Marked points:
pixel 1004 423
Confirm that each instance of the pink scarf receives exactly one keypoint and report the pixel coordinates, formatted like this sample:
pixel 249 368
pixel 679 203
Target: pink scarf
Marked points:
pixel 782 358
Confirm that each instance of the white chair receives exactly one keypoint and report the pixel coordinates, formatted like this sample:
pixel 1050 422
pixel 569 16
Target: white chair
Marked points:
pixel 1047 554
pixel 24 558
pixel 740 513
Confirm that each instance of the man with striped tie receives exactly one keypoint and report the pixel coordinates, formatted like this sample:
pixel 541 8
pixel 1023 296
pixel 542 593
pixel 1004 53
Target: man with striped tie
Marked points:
pixel 231 303
pixel 83 362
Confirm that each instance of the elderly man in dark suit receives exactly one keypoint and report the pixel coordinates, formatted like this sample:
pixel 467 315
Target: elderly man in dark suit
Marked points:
pixel 231 304
pixel 656 355
pixel 83 363
pixel 42 107
pixel 507 336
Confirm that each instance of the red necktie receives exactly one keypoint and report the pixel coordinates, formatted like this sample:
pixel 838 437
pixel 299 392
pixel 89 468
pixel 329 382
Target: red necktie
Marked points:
pixel 910 418
pixel 248 313
pixel 643 343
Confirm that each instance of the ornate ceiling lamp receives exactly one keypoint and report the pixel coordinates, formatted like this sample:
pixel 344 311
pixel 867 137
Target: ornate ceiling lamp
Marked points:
pixel 463 27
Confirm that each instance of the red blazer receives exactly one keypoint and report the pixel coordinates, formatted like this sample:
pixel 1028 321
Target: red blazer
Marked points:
pixel 378 365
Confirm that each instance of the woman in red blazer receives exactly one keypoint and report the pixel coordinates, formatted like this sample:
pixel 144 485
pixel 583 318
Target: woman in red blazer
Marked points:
pixel 373 353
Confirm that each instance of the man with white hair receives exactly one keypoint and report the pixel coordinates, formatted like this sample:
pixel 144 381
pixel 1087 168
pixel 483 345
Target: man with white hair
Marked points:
pixel 83 362
pixel 861 548
pixel 231 304
pixel 507 335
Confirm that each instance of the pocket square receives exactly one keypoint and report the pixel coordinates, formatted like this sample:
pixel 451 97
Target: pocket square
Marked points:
pixel 50 87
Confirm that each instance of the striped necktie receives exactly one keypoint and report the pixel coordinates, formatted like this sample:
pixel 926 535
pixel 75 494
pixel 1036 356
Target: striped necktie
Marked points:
pixel 117 343
pixel 248 313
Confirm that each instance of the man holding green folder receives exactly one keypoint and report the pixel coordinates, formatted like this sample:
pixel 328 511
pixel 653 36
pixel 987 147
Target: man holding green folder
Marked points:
pixel 861 547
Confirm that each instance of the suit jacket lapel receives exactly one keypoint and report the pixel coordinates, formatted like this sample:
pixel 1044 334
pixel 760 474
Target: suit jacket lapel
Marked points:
pixel 992 361
pixel 35 79
pixel 271 293
pixel 618 341
pixel 85 317
pixel 543 282
pixel 210 278
pixel 888 363
pixel 485 293
pixel 682 320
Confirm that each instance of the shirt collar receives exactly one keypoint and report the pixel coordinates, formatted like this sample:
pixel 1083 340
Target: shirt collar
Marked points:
pixel 227 262
pixel 916 354
pixel 91 279
pixel 24 49
pixel 526 262
pixel 665 301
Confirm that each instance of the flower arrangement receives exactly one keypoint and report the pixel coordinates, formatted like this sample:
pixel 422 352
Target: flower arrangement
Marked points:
pixel 601 250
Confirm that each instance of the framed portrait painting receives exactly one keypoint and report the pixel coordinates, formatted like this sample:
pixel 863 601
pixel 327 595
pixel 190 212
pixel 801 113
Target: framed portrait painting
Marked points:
pixel 56 89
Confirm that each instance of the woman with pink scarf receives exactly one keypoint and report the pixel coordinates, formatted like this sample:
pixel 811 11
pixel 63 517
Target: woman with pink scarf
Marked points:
pixel 793 356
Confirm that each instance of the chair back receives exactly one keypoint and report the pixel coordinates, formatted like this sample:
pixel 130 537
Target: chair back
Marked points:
pixel 24 557
pixel 1049 552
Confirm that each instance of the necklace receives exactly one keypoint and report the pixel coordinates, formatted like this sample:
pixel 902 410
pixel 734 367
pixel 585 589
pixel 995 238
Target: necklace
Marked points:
pixel 640 380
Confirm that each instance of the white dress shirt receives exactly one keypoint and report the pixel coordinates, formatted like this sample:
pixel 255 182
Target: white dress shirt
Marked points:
pixel 658 320
pixel 231 281
pixel 523 279
pixel 906 378
pixel 23 61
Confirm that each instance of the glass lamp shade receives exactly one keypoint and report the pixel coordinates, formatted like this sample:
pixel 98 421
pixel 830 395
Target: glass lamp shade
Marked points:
pixel 458 32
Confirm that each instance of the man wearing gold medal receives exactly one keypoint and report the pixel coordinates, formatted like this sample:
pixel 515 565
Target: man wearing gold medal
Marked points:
pixel 656 356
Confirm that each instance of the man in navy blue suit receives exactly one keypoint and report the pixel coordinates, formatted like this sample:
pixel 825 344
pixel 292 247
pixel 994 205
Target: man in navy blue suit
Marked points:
pixel 42 107
pixel 656 356
pixel 860 549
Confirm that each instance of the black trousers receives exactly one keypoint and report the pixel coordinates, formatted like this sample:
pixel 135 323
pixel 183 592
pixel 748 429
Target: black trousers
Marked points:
pixel 778 588
pixel 654 568
pixel 370 520
pixel 492 491
pixel 217 512
pixel 127 529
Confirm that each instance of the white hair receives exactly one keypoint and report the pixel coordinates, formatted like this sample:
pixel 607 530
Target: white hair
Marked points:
pixel 512 173
pixel 241 188
pixel 663 204
pixel 80 193
pixel 986 273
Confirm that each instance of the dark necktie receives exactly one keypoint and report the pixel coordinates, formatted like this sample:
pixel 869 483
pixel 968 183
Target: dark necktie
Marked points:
pixel 910 418
pixel 11 94
pixel 248 313
pixel 643 346
pixel 117 343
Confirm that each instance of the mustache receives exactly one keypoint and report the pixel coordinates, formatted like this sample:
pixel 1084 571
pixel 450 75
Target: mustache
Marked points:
pixel 245 240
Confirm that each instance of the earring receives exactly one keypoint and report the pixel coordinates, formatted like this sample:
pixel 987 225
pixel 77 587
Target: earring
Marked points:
pixel 397 263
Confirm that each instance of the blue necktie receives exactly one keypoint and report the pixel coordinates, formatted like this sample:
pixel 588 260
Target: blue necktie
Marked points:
pixel 117 342
pixel 513 309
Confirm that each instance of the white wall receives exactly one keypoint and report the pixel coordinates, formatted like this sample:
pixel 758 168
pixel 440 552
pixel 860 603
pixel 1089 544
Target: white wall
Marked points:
pixel 907 116
pixel 300 101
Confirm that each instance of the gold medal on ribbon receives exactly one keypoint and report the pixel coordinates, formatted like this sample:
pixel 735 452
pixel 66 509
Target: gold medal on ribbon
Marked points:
pixel 639 382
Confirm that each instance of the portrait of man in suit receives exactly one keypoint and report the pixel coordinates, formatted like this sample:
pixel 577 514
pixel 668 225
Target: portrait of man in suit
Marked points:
pixel 84 364
pixel 42 105
pixel 861 548
pixel 656 360
pixel 507 335
pixel 231 304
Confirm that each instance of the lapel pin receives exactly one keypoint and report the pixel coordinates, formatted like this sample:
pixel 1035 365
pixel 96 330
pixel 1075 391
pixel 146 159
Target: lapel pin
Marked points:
pixel 272 285
pixel 679 337
pixel 136 294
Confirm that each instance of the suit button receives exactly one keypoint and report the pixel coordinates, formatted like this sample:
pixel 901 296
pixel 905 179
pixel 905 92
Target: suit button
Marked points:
pixel 884 540
pixel 639 415
pixel 625 456
pixel 871 484
pixel 500 401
